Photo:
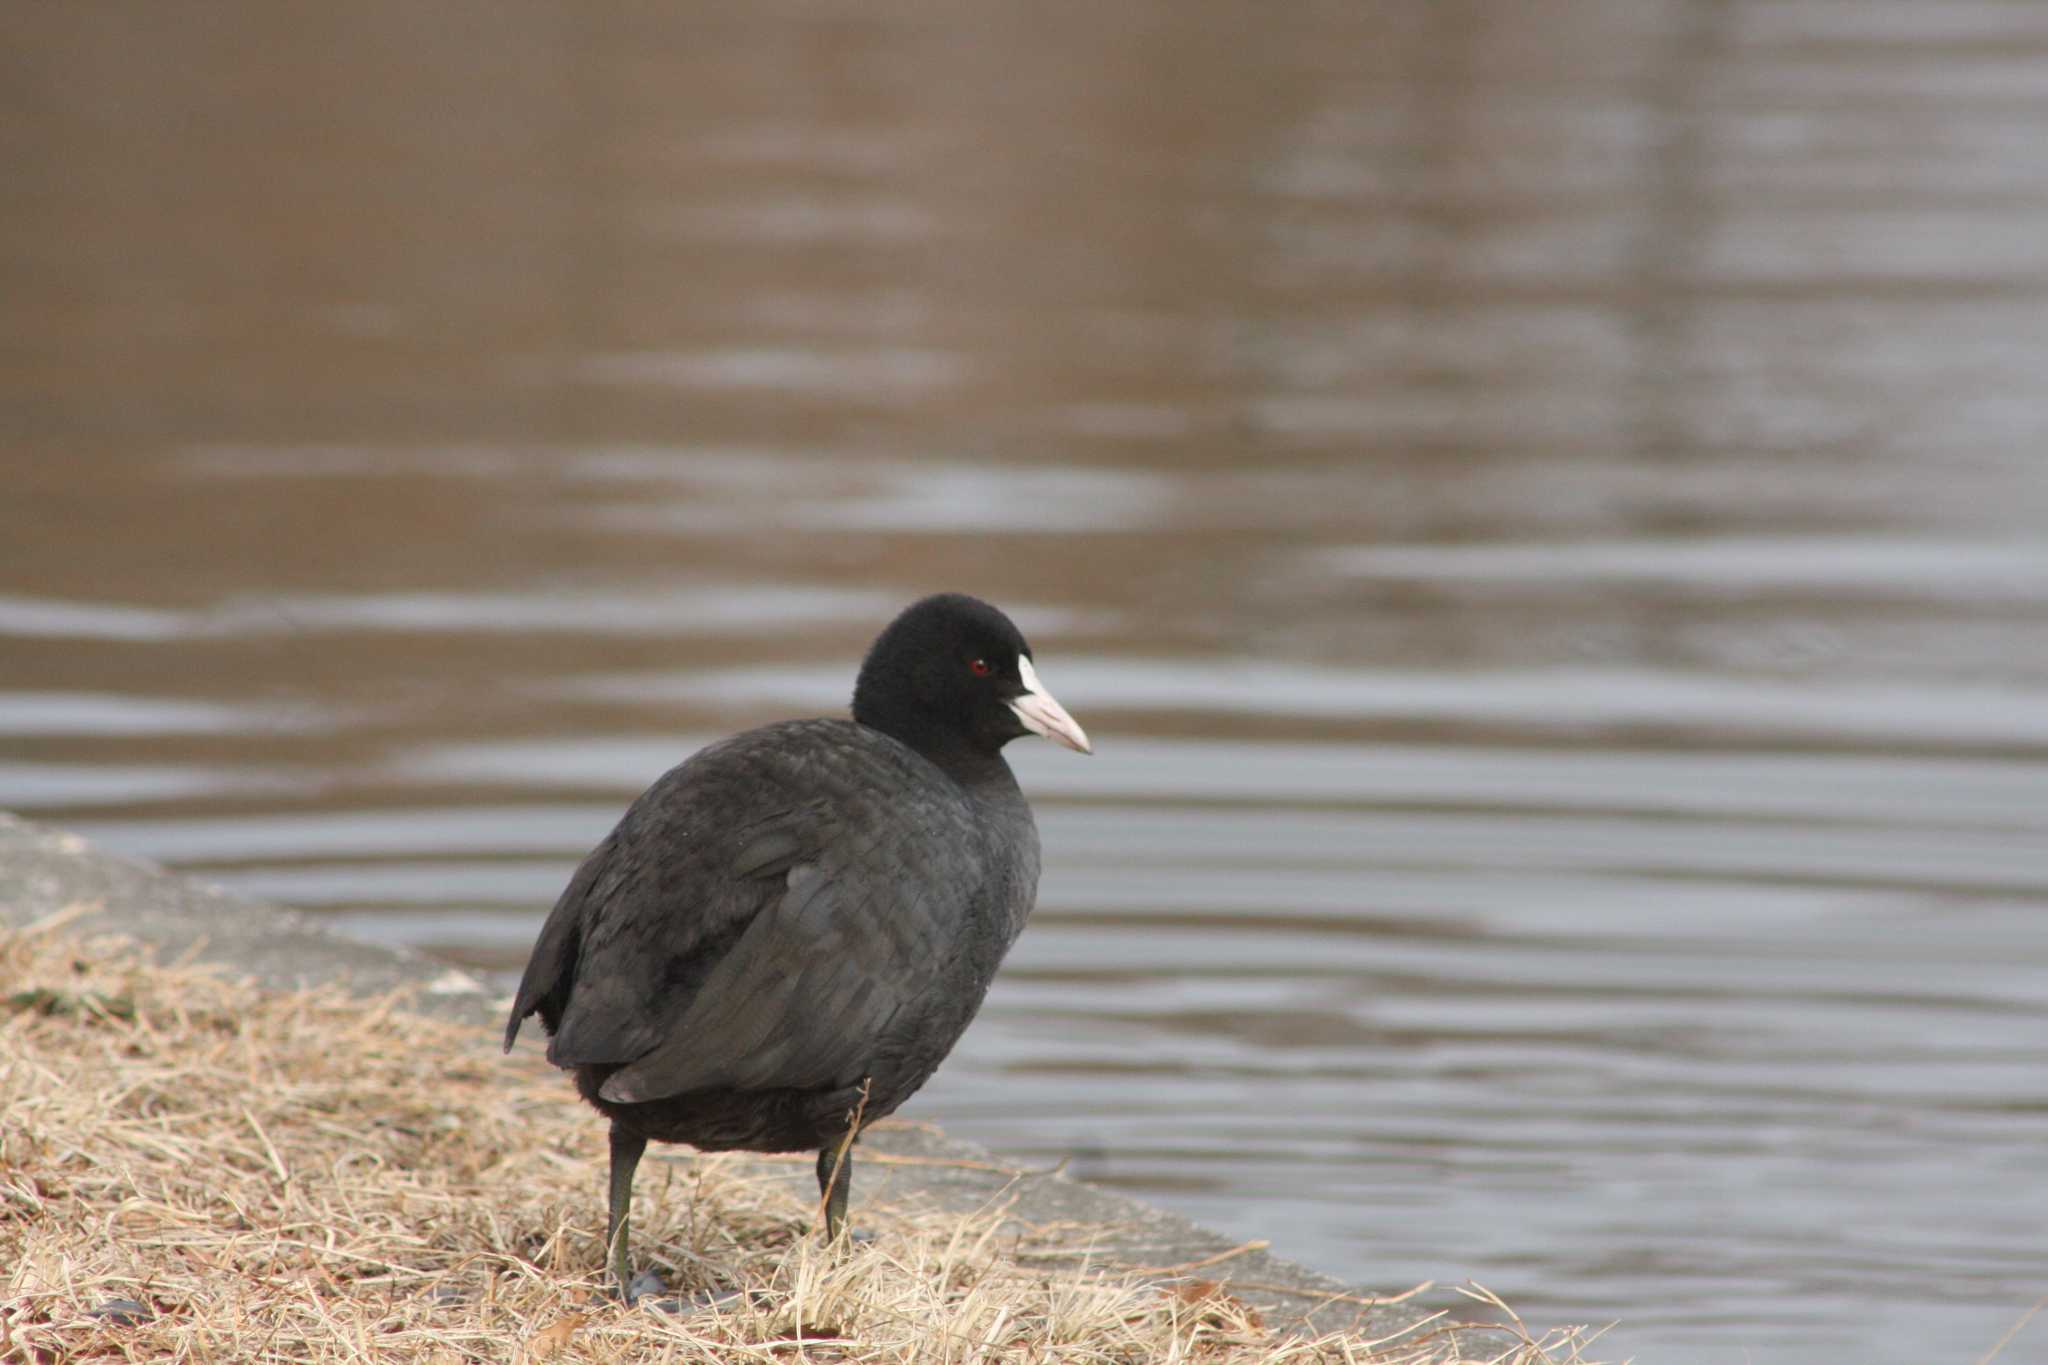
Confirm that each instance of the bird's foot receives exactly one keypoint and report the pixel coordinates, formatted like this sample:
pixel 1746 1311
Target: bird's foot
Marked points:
pixel 860 1237
pixel 645 1285
pixel 699 1301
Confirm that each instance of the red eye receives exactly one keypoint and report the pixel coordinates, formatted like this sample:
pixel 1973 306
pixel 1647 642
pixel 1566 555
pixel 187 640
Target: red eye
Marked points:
pixel 979 668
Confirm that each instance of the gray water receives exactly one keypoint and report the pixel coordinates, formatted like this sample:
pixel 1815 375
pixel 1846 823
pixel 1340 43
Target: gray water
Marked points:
pixel 1540 507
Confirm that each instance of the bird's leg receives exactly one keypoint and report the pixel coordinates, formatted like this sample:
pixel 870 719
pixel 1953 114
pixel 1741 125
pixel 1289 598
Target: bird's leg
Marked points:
pixel 835 1166
pixel 835 1180
pixel 626 1149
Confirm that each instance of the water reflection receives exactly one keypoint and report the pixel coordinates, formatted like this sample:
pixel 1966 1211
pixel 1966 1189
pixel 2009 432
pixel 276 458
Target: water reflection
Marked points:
pixel 1539 505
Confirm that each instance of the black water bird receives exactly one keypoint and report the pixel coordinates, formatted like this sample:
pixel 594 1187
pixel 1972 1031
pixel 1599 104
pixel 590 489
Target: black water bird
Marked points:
pixel 797 924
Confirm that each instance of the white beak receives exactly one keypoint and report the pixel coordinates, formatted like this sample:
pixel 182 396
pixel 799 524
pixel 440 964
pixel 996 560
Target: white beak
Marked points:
pixel 1044 716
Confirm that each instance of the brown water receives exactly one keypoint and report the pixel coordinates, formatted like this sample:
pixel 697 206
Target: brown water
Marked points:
pixel 1540 505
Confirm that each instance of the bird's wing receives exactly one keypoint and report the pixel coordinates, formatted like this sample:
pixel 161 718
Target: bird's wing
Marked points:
pixel 654 908
pixel 755 920
pixel 869 892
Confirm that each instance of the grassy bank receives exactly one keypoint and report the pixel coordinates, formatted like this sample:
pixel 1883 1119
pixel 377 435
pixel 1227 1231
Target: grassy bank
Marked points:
pixel 195 1170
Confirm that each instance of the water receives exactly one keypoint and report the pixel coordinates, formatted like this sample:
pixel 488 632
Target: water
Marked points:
pixel 1539 506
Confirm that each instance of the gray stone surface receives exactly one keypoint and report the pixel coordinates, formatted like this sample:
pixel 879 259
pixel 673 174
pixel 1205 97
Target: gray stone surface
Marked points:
pixel 45 871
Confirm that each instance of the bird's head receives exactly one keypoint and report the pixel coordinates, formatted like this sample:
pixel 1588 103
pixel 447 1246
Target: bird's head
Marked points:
pixel 953 672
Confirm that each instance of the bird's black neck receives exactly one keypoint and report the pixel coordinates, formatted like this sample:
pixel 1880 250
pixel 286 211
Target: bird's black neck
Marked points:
pixel 983 772
pixel 977 770
pixel 985 775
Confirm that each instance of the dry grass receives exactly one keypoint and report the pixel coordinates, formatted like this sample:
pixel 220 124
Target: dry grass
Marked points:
pixel 315 1177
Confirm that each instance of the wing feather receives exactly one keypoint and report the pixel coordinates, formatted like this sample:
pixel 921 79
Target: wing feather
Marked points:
pixel 759 918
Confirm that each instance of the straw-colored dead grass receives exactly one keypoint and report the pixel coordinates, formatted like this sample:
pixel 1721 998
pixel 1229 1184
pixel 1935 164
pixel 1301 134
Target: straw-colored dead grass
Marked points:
pixel 315 1177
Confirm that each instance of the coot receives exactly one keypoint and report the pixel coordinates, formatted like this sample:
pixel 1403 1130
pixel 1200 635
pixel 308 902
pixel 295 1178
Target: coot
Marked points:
pixel 799 922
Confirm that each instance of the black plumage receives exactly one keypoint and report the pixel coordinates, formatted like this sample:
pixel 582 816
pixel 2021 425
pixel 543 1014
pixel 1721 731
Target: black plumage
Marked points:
pixel 803 911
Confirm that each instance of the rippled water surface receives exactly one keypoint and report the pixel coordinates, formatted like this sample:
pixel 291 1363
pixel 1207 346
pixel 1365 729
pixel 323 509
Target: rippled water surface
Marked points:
pixel 1541 507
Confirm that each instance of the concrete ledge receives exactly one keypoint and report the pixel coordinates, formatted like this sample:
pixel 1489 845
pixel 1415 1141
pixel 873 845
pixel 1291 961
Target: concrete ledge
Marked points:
pixel 44 871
